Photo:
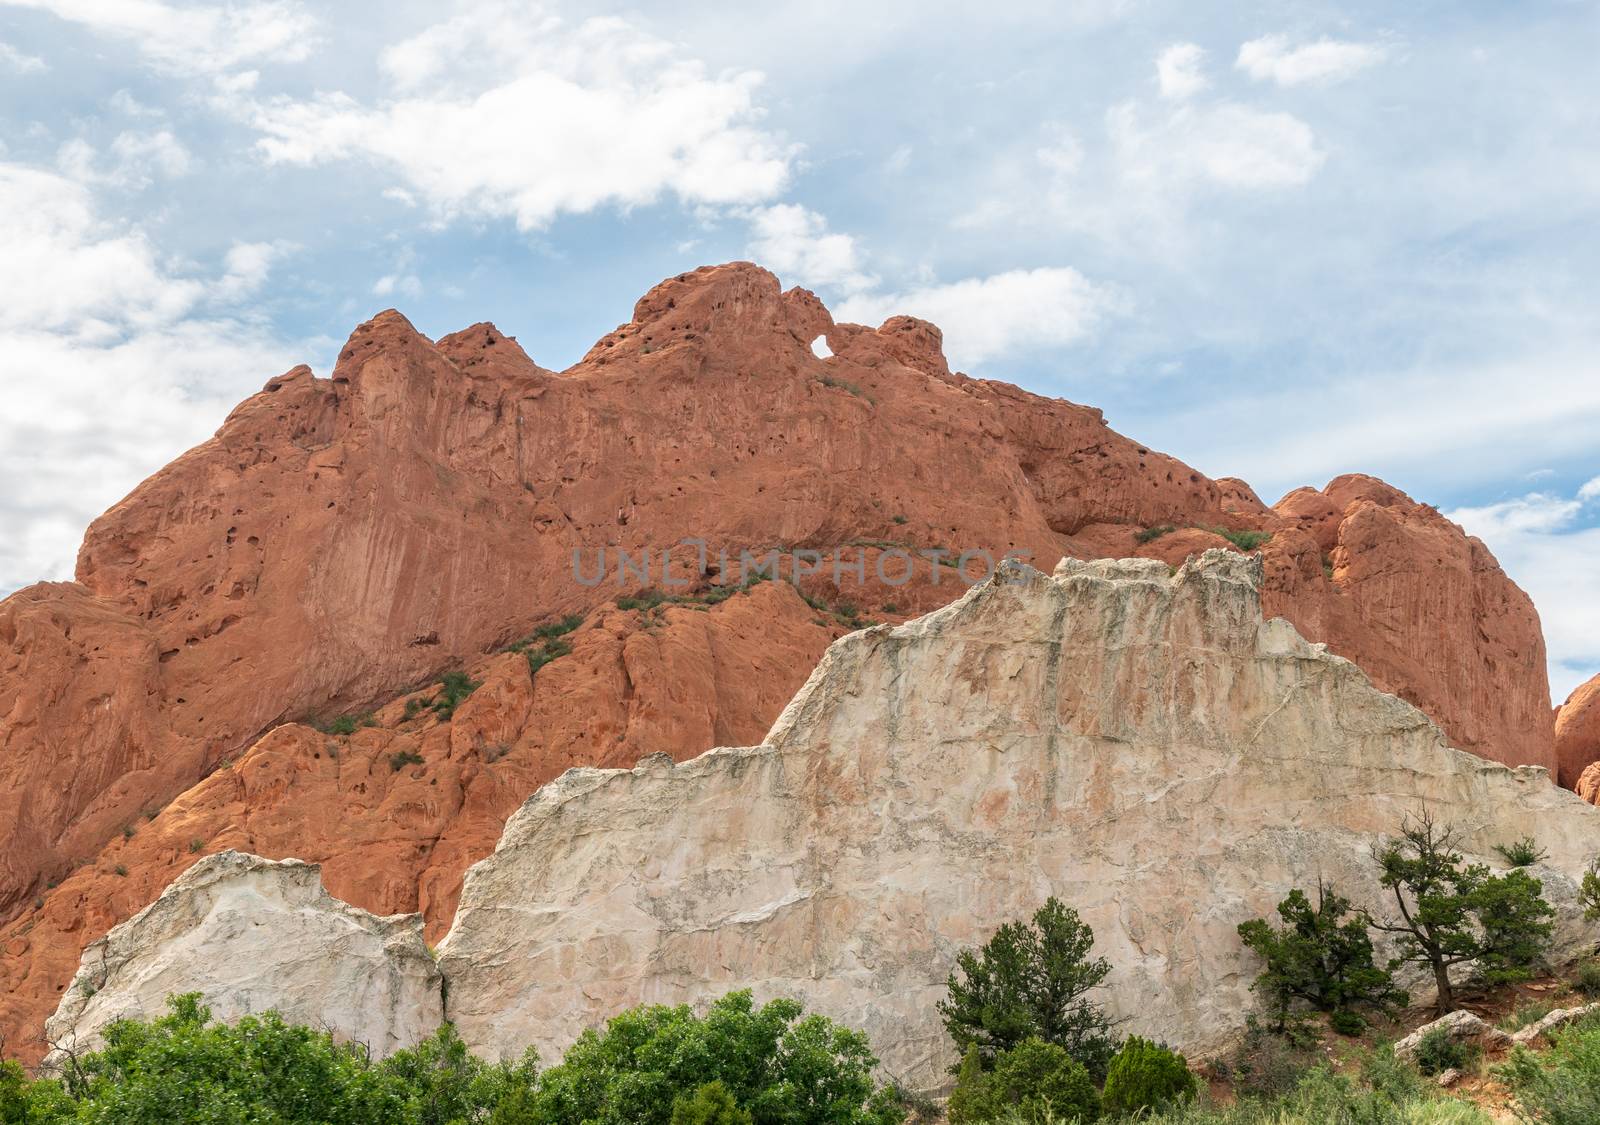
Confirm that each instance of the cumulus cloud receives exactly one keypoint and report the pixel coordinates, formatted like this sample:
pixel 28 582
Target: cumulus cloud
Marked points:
pixel 194 39
pixel 113 364
pixel 795 243
pixel 20 62
pixel 542 118
pixel 986 317
pixel 1272 58
pixel 1548 544
pixel 1178 71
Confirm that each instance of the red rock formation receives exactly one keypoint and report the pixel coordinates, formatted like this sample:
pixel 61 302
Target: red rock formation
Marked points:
pixel 342 540
pixel 1578 738
pixel 1588 786
pixel 397 811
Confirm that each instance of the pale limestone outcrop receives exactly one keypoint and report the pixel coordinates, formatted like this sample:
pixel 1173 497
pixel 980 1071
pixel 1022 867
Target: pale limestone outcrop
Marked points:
pixel 1139 743
pixel 253 934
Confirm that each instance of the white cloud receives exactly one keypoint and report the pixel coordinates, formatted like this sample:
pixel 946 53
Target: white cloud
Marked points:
pixel 110 365
pixel 541 119
pixel 1178 71
pixel 408 284
pixel 136 159
pixel 1549 544
pixel 1017 311
pixel 195 39
pixel 1230 145
pixel 794 243
pixel 13 59
pixel 1323 62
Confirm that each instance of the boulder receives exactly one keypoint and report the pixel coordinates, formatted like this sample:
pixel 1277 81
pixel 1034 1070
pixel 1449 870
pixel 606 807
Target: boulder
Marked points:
pixel 1140 743
pixel 252 934
pixel 1558 1018
pixel 1462 1026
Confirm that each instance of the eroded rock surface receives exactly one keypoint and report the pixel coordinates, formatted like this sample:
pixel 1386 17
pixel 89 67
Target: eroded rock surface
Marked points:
pixel 1578 738
pixel 254 934
pixel 1143 745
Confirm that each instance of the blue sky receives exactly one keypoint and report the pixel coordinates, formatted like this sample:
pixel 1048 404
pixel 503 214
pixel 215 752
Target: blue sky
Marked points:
pixel 1280 241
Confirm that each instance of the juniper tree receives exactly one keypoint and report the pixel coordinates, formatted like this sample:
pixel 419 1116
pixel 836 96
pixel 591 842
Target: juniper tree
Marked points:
pixel 1320 955
pixel 1031 982
pixel 1454 913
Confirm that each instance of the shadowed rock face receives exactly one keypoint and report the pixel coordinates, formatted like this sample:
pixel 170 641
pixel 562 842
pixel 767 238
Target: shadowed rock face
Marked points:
pixel 252 934
pixel 1578 741
pixel 343 540
pixel 1144 746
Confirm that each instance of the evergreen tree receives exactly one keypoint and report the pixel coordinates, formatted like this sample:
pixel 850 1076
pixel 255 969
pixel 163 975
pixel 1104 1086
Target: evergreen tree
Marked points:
pixel 1032 982
pixel 1320 955
pixel 1453 913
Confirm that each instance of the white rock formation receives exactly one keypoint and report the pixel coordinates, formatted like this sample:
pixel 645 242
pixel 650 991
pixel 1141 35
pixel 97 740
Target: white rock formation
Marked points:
pixel 252 934
pixel 1142 745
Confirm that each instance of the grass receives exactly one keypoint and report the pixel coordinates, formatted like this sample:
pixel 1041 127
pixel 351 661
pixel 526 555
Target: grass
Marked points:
pixel 453 691
pixel 710 596
pixel 547 642
pixel 195 845
pixel 348 724
pixel 846 385
pixel 121 870
pixel 1560 1086
pixel 1526 1015
pixel 1151 534
pixel 400 759
pixel 1244 540
pixel 1522 853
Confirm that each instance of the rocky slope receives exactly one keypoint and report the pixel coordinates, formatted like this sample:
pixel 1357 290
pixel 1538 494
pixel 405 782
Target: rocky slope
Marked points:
pixel 253 934
pixel 342 541
pixel 1144 746
pixel 1578 740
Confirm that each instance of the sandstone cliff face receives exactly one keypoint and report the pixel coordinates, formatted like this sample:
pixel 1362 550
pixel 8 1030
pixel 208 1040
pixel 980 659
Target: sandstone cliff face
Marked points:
pixel 1144 746
pixel 1578 739
pixel 397 840
pixel 343 540
pixel 252 935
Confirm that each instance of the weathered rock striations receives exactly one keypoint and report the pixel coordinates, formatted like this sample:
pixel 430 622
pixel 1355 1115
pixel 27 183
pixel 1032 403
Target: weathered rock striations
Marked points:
pixel 1143 745
pixel 253 934
pixel 1578 740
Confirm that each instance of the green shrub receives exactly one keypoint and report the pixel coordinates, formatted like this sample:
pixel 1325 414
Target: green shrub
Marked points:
pixel 1346 1022
pixel 1589 891
pixel 1522 853
pixel 846 385
pixel 1150 534
pixel 1031 982
pixel 400 759
pixel 1264 1065
pixel 1246 541
pixel 1560 1086
pixel 1035 1080
pixel 1320 957
pixel 711 1104
pixel 1440 1051
pixel 1588 981
pixel 778 1066
pixel 969 1101
pixel 453 691
pixel 1145 1075
pixel 196 844
pixel 1525 1015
